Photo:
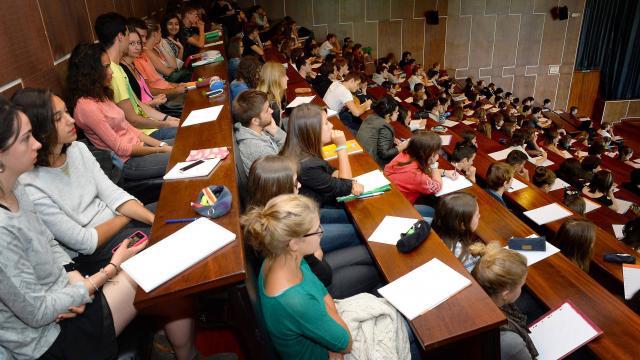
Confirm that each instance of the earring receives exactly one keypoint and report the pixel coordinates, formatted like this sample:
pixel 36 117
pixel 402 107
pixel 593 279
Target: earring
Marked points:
pixel 1 167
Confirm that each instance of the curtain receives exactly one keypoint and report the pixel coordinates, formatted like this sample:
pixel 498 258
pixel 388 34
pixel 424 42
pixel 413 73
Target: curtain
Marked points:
pixel 610 41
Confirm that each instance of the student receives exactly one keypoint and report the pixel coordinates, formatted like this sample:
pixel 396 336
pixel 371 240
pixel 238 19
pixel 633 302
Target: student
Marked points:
pixel 606 130
pixel 525 137
pixel 633 184
pixel 543 178
pixel 499 176
pixel 191 32
pixel 247 76
pixel 455 221
pixel 339 95
pixel 341 70
pixel 571 171
pixel 234 54
pixel 322 82
pixel 300 315
pixel 136 81
pixel 502 273
pixel 415 170
pixel 468 138
pixel 256 131
pixel 39 293
pixel 164 65
pixel 381 75
pixel 251 42
pixel 260 18
pixel 113 34
pixel 273 82
pixel 462 160
pixel 576 239
pixel 631 234
pixel 171 39
pixel 625 153
pixel 590 165
pixel 86 212
pixel 308 130
pixel 91 101
pixel 417 77
pixel 518 159
pixel 376 134
pixel 597 148
pixel 330 46
pixel 546 105
pixel 601 189
pixel 551 140
pixel 574 201
pixel 406 60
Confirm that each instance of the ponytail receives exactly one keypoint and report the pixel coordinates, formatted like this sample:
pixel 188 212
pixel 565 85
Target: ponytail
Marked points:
pixel 499 269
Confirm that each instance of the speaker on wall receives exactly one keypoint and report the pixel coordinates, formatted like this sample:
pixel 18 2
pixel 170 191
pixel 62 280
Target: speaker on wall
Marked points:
pixel 432 17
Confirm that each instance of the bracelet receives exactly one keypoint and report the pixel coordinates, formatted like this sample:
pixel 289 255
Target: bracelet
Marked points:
pixel 342 147
pixel 165 117
pixel 162 144
pixel 91 282
pixel 115 266
pixel 434 165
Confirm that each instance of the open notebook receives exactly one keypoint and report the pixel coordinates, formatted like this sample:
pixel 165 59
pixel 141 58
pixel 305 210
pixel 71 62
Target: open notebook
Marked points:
pixel 449 186
pixel 177 252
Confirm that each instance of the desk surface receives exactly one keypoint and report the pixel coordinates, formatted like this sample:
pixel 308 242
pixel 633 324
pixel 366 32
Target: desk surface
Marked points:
pixel 227 265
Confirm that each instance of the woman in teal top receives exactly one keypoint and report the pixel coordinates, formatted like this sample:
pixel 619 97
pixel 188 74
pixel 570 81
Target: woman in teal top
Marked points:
pixel 300 315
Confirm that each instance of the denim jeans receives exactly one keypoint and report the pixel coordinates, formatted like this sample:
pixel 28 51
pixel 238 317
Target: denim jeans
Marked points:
pixel 338 230
pixel 150 166
pixel 165 133
pixel 427 212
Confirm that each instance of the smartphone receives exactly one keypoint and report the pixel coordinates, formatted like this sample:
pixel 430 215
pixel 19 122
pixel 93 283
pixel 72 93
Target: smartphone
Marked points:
pixel 136 238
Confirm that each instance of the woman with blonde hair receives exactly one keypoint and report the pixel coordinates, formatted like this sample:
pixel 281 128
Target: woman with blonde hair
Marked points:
pixel 273 81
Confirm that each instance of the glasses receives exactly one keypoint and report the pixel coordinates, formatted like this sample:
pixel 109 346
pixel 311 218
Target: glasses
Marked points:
pixel 319 232
pixel 135 42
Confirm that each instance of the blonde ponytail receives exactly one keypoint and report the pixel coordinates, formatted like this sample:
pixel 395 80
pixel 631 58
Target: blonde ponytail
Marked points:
pixel 499 269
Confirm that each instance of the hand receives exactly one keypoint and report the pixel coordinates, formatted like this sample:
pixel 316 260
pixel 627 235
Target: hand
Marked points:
pixel 166 149
pixel 451 174
pixel 158 99
pixel 337 136
pixel 367 104
pixel 471 172
pixel 356 188
pixel 402 146
pixel 335 356
pixel 272 127
pixel 180 88
pixel 172 122
pixel 200 24
pixel 396 141
pixel 125 252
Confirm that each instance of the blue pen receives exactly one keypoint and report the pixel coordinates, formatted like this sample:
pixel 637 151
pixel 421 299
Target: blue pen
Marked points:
pixel 175 221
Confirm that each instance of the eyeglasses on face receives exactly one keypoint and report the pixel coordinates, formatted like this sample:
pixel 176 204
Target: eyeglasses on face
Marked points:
pixel 319 232
pixel 135 42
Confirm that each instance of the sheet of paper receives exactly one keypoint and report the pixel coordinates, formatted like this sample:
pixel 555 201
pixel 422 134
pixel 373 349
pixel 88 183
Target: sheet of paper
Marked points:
pixel 516 185
pixel 535 256
pixel 315 66
pixel 637 160
pixel 559 184
pixel 300 100
pixel 449 123
pixel 493 110
pixel 591 205
pixel 631 275
pixel 449 186
pixel 546 163
pixel 397 99
pixel 500 155
pixel 558 111
pixel 623 206
pixel 174 254
pixel 635 165
pixel 417 124
pixel 581 153
pixel 584 119
pixel 424 288
pixel 617 230
pixel 202 115
pixel 331 113
pixel 487 106
pixel 200 170
pixel 468 122
pixel 372 180
pixel 446 139
pixel 390 228
pixel 561 332
pixel 566 154
pixel 547 213
pixel 409 99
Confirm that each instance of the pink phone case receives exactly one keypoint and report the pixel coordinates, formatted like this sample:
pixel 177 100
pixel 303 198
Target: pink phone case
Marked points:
pixel 142 237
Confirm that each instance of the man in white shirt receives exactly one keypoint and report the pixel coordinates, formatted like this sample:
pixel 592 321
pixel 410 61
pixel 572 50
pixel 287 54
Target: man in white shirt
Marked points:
pixel 339 95
pixel 329 46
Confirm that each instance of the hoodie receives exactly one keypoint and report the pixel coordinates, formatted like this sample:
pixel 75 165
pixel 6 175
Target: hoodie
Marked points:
pixel 409 179
pixel 253 145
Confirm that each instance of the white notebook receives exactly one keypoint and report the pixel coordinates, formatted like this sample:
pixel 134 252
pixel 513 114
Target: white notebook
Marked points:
pixel 445 139
pixel 390 228
pixel 617 230
pixel 559 184
pixel 372 180
pixel 561 332
pixel 623 206
pixel 516 185
pixel 546 163
pixel 200 170
pixel 631 275
pixel 177 252
pixel 449 123
pixel 424 288
pixel 449 186
pixel 590 205
pixel 300 100
pixel 501 155
pixel 547 213
pixel 202 115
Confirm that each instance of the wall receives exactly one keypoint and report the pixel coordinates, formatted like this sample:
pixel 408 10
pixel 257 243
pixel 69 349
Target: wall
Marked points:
pixel 38 36
pixel 509 42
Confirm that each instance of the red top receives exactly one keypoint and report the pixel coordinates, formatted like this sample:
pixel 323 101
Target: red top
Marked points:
pixel 409 179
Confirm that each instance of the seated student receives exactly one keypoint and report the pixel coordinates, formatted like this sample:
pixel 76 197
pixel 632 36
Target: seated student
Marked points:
pixel 572 199
pixel 247 76
pixel 590 165
pixel 339 96
pixel 305 69
pixel 497 120
pixel 381 75
pixel 91 101
pixel 321 83
pixel 308 130
pixel 419 97
pixel 41 291
pixel 518 159
pixel 597 148
pixel 113 34
pixel 390 88
pixel 484 128
pixel 171 45
pixel 236 23
pixel 417 77
pixel 234 54
pixel 633 184
pixel 631 234
pixel 455 221
pixel 543 178
pixel 606 130
pixel 551 140
pixel 415 170
pixel 576 239
pixel 432 79
pixel 406 59
pixel 537 120
pixel 522 137
pixel 571 171
pixel 502 273
pixel 341 69
pixel 546 105
pixel 273 82
pixel 191 32
pixel 256 131
pixel 342 263
pixel 462 160
pixel 361 93
pixel 251 42
pixel 300 315
pixel 152 53
pixel 330 46
pixel 468 138
pixel 86 212
pixel 499 176
pixel 376 134
pixel 601 189
pixel 625 153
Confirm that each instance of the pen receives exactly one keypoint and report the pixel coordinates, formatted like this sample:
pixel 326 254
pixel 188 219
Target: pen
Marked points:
pixel 370 195
pixel 191 166
pixel 176 221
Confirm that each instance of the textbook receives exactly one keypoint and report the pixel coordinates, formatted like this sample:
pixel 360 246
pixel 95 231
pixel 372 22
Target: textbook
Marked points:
pixel 424 288
pixel 329 151
pixel 177 252
pixel 562 331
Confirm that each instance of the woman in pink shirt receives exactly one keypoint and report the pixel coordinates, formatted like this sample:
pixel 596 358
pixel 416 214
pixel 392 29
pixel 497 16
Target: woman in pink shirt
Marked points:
pixel 90 98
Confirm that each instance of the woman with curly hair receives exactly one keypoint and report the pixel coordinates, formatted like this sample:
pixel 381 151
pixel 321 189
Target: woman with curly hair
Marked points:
pixel 247 76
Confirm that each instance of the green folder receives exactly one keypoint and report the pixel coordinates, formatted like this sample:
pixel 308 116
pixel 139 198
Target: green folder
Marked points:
pixel 364 194
pixel 212 35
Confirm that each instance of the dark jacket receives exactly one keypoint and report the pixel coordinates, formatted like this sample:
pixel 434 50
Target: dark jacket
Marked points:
pixel 321 84
pixel 376 136
pixel 317 182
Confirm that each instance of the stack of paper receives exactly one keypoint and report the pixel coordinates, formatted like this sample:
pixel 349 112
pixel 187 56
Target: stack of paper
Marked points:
pixel 547 213
pixel 177 252
pixel 516 185
pixel 500 155
pixel 300 100
pixel 631 275
pixel 372 180
pixel 449 186
pixel 445 139
pixel 468 122
pixel 561 332
pixel 417 124
pixel 449 123
pixel 545 163
pixel 617 230
pixel 424 288
pixel 203 169
pixel 623 206
pixel 566 154
pixel 559 184
pixel 590 205
pixel 202 115
pixel 389 230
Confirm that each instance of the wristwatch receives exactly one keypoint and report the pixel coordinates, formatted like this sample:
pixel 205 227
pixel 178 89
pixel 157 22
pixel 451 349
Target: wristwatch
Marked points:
pixel 162 144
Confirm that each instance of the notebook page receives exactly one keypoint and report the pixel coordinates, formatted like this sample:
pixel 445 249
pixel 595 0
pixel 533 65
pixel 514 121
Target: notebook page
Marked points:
pixel 559 184
pixel 198 171
pixel 202 115
pixel 300 100
pixel 449 186
pixel 372 180
pixel 547 213
pixel 516 185
pixel 390 228
pixel 631 275
pixel 500 155
pixel 590 205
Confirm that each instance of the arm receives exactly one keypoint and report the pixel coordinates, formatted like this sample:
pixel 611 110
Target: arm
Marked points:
pixel 314 176
pixel 134 210
pixel 159 116
pixel 358 110
pixel 387 149
pixel 330 305
pixel 257 49
pixel 139 121
pixel 198 40
pixel 157 63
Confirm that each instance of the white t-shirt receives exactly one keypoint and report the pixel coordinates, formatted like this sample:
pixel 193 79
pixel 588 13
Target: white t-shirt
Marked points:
pixel 325 48
pixel 337 96
pixel 413 80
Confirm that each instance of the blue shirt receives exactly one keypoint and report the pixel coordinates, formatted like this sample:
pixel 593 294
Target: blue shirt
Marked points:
pixel 233 66
pixel 236 88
